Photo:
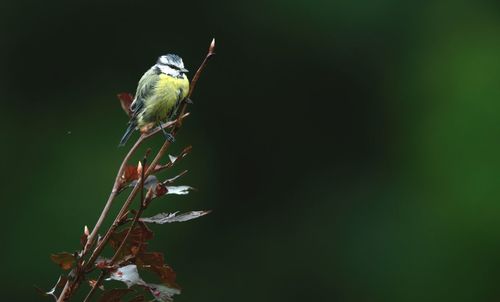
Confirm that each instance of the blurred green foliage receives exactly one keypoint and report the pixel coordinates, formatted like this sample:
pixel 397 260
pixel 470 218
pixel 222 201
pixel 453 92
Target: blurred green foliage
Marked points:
pixel 349 149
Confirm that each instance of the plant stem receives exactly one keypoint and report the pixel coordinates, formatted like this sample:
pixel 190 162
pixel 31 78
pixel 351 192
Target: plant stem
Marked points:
pixel 116 184
pixel 112 196
pixel 96 286
pixel 142 207
pixel 138 214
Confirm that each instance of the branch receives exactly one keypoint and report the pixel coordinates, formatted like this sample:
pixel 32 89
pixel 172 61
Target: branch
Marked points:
pixel 70 287
pixel 130 228
pixel 194 81
pixel 95 287
pixel 118 182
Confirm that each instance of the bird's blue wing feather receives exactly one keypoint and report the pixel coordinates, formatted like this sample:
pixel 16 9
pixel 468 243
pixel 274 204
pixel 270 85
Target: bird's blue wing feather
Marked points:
pixel 145 89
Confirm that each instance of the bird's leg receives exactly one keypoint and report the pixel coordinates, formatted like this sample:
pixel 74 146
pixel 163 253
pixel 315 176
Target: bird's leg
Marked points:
pixel 188 100
pixel 169 137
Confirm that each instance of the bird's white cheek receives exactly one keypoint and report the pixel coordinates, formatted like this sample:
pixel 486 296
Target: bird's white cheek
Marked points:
pixel 166 69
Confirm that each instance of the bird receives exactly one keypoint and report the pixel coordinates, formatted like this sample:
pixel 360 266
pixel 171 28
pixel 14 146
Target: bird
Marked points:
pixel 159 93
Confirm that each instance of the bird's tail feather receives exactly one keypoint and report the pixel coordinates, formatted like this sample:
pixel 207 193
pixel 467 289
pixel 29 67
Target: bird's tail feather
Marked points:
pixel 128 133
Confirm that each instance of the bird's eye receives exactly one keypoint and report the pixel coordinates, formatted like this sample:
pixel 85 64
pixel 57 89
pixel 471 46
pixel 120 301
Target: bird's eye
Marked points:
pixel 172 66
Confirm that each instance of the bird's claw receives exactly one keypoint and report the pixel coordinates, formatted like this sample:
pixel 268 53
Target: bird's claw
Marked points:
pixel 169 137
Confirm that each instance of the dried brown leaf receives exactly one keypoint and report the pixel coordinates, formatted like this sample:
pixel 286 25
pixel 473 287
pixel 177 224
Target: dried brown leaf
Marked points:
pixel 155 262
pixel 167 275
pixel 149 259
pixel 131 173
pixel 64 260
pixel 136 241
pixel 126 100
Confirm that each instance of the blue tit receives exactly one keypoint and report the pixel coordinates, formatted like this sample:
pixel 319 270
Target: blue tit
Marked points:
pixel 159 93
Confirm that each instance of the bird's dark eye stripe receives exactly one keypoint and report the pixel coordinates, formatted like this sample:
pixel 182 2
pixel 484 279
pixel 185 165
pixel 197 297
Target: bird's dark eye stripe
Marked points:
pixel 172 66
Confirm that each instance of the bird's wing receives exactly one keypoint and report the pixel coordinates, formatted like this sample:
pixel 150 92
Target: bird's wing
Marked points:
pixel 145 89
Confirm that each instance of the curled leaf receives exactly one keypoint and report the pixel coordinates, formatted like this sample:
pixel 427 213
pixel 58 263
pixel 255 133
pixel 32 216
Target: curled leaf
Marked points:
pixel 161 190
pixel 127 274
pixel 126 100
pixel 163 218
pixel 162 293
pixel 154 262
pixel 64 260
pixel 172 158
pixel 181 155
pixel 167 275
pixel 131 173
pixel 136 241
pixel 179 190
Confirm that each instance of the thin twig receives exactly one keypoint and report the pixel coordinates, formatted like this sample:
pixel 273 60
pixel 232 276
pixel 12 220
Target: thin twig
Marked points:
pixel 130 228
pixel 114 192
pixel 136 217
pixel 112 196
pixel 196 77
pixel 96 286
pixel 117 183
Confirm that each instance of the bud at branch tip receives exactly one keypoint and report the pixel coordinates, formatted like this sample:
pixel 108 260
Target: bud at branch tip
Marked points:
pixel 211 49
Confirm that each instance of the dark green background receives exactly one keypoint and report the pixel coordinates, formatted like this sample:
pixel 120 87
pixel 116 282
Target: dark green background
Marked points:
pixel 349 149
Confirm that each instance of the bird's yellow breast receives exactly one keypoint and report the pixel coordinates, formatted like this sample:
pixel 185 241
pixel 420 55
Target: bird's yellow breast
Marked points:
pixel 167 92
pixel 167 85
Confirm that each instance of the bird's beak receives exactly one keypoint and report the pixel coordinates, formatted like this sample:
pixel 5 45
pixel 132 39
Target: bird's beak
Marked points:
pixel 184 70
